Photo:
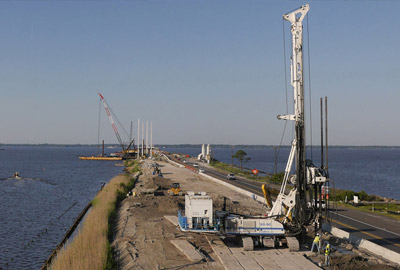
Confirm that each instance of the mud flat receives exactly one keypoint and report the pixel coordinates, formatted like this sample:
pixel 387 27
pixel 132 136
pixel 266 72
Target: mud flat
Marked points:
pixel 144 238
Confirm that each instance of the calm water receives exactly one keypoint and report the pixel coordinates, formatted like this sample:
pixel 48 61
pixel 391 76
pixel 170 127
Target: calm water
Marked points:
pixel 36 212
pixel 376 170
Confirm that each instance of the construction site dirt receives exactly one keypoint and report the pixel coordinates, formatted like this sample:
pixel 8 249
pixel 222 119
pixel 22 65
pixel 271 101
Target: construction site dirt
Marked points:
pixel 144 238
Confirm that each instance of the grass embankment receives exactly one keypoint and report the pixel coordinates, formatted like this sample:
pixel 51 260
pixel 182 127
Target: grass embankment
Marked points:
pixel 90 248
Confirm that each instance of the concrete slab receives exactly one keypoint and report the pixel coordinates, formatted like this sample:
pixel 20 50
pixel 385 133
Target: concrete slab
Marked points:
pixel 173 219
pixel 277 259
pixel 188 249
pixel 274 259
pixel 246 261
pixel 264 261
pixel 283 261
pixel 301 261
pixel 223 253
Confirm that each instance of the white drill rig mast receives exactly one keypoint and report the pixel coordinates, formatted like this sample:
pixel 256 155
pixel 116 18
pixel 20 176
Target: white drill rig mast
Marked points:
pixel 296 198
pixel 296 68
pixel 308 178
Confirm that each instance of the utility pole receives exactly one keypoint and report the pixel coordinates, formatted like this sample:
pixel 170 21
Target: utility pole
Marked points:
pixel 131 133
pixel 326 133
pixel 317 191
pixel 138 139
pixel 322 133
pixel 142 137
pixel 151 139
pixel 147 137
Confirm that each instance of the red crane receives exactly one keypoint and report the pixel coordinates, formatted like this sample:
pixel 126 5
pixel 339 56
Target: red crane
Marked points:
pixel 108 111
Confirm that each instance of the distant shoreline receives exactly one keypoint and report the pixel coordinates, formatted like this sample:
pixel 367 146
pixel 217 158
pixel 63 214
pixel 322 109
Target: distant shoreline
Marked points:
pixel 199 145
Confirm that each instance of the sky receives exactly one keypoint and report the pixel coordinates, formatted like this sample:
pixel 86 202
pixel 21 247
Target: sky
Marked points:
pixel 200 71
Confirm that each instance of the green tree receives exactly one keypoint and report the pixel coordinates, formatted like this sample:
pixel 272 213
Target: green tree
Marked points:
pixel 362 195
pixel 241 156
pixel 277 177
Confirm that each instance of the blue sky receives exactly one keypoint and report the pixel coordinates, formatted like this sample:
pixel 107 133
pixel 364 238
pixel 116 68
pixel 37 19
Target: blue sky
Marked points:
pixel 201 71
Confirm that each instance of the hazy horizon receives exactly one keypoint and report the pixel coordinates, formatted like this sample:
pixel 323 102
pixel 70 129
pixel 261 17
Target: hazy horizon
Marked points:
pixel 194 144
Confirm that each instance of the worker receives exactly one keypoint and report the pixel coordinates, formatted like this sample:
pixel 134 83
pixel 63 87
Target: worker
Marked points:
pixel 315 243
pixel 328 255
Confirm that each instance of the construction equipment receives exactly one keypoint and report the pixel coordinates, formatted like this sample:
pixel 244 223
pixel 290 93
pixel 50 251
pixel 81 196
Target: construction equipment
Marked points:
pixel 175 190
pixel 267 195
pixel 294 210
pixel 126 151
pixel 296 207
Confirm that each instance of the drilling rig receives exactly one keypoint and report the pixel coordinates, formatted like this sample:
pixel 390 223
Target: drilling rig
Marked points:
pixel 299 207
pixel 295 211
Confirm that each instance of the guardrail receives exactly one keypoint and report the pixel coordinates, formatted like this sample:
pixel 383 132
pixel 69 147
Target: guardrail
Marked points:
pixel 173 162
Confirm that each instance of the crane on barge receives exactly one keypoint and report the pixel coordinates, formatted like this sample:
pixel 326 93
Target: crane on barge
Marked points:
pixel 126 151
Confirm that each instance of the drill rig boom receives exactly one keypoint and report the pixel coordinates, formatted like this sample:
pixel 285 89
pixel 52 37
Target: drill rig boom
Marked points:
pixel 294 208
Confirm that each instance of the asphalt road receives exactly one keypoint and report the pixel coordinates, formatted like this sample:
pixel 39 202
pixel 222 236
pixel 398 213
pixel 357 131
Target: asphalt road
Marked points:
pixel 375 228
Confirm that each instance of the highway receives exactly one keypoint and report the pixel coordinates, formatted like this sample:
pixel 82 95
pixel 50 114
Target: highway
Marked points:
pixel 373 227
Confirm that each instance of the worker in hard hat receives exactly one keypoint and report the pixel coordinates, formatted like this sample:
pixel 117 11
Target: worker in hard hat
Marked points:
pixel 316 243
pixel 328 255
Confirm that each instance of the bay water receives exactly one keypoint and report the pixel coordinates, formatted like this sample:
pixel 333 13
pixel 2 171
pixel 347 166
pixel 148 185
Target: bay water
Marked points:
pixel 37 210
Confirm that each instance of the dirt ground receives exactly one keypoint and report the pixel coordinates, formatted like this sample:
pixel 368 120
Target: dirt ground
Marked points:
pixel 143 236
pixel 346 256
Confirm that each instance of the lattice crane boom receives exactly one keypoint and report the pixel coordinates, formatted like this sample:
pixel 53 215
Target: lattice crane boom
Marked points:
pixel 110 118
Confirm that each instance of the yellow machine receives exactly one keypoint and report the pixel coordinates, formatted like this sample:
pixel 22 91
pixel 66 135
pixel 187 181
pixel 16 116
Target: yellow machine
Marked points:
pixel 267 196
pixel 175 190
